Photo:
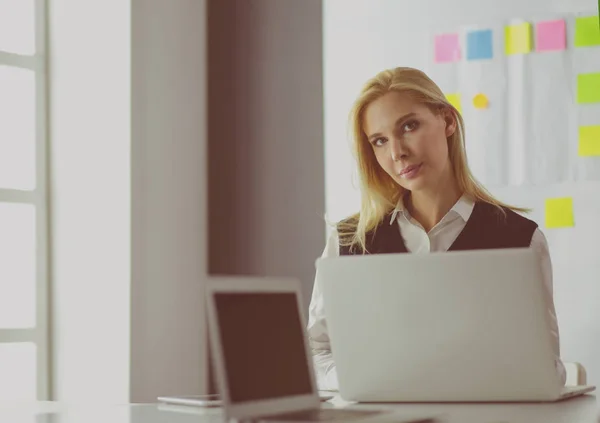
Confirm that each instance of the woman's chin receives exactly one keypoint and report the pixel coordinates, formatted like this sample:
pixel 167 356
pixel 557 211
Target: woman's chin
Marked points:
pixel 416 184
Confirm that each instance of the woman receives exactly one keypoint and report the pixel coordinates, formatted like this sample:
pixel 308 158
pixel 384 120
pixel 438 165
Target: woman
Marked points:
pixel 418 194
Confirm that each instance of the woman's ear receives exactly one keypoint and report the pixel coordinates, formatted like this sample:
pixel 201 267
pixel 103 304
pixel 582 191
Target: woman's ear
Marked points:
pixel 450 121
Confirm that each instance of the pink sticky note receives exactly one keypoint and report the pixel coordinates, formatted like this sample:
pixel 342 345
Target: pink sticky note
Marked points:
pixel 551 35
pixel 447 48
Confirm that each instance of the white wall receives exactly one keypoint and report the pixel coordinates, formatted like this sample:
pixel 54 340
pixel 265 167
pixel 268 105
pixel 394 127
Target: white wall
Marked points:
pixel 89 133
pixel 169 197
pixel 363 37
pixel 128 196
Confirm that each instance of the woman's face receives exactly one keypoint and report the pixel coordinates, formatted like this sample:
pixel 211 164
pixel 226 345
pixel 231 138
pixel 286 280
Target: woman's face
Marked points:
pixel 409 140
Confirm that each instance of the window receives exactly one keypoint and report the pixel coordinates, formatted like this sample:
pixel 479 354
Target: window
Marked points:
pixel 24 370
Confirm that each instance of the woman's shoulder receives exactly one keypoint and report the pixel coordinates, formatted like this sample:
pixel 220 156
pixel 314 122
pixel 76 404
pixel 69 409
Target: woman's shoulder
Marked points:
pixel 512 213
pixel 506 218
pixel 503 226
pixel 349 220
pixel 345 228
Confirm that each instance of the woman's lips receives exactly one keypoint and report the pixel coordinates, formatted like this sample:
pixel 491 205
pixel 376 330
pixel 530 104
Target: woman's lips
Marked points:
pixel 410 172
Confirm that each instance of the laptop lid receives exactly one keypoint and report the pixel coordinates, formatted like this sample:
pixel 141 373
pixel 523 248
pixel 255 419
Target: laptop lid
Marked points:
pixel 470 325
pixel 261 355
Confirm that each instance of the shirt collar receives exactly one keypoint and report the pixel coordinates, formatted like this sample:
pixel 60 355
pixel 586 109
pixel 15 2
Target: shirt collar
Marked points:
pixel 463 207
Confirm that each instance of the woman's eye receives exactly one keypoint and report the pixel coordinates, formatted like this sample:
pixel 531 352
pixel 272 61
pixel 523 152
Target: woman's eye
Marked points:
pixel 379 142
pixel 410 126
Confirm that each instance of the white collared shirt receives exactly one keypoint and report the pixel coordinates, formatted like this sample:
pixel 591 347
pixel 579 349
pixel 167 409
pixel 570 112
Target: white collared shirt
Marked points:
pixel 417 240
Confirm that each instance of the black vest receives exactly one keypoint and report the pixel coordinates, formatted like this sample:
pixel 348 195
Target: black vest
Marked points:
pixel 487 228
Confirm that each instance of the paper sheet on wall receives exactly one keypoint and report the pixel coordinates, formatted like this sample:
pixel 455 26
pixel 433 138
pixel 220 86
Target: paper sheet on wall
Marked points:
pixel 586 76
pixel 525 92
pixel 546 97
pixel 477 81
pixel 483 85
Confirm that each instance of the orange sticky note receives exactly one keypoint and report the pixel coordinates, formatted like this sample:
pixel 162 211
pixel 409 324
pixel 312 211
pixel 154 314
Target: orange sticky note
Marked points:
pixel 559 212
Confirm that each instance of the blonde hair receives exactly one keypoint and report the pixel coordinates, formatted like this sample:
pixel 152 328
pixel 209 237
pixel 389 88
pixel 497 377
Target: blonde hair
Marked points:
pixel 379 192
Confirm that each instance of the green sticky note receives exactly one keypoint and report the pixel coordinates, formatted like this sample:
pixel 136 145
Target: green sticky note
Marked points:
pixel 518 38
pixel 588 88
pixel 587 31
pixel 589 140
pixel 559 212
pixel 454 99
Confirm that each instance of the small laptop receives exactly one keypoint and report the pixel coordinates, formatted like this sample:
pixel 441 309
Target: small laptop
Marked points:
pixel 261 356
pixel 467 326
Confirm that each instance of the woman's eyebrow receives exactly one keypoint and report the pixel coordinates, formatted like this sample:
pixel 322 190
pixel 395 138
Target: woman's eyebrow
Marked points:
pixel 398 122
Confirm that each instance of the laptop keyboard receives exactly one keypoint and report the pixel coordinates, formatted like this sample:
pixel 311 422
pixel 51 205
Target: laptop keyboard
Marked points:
pixel 323 415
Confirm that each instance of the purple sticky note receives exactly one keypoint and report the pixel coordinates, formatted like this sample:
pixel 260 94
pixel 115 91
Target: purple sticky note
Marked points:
pixel 447 48
pixel 550 36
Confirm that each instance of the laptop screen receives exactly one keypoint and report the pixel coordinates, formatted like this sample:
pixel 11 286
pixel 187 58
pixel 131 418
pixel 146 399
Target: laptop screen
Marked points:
pixel 263 345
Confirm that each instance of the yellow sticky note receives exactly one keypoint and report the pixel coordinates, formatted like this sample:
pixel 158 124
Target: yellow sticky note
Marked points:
pixel 518 38
pixel 589 140
pixel 587 31
pixel 559 212
pixel 454 99
pixel 480 101
pixel 588 88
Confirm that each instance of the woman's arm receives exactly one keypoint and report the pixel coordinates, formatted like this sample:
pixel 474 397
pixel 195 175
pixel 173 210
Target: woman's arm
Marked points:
pixel 318 335
pixel 540 246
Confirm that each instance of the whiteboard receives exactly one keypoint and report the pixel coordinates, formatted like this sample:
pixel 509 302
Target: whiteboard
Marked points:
pixel 363 37
pixel 529 133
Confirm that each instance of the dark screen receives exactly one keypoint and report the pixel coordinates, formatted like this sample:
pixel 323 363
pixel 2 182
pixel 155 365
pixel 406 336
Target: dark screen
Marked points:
pixel 263 345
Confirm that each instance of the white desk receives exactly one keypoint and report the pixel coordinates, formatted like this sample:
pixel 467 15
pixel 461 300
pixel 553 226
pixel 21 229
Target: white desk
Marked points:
pixel 577 410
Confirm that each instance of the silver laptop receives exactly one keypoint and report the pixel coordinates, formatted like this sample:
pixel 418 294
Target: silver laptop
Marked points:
pixel 453 326
pixel 261 356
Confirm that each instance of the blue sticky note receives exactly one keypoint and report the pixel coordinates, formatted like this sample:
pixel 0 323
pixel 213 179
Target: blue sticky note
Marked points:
pixel 479 45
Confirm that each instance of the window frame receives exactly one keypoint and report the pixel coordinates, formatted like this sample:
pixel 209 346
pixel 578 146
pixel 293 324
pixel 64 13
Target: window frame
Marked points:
pixel 40 334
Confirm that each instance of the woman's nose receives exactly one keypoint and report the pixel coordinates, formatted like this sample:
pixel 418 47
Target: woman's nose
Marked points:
pixel 398 150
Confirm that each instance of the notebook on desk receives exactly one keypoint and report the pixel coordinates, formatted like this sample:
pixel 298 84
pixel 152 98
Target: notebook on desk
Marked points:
pixel 261 355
